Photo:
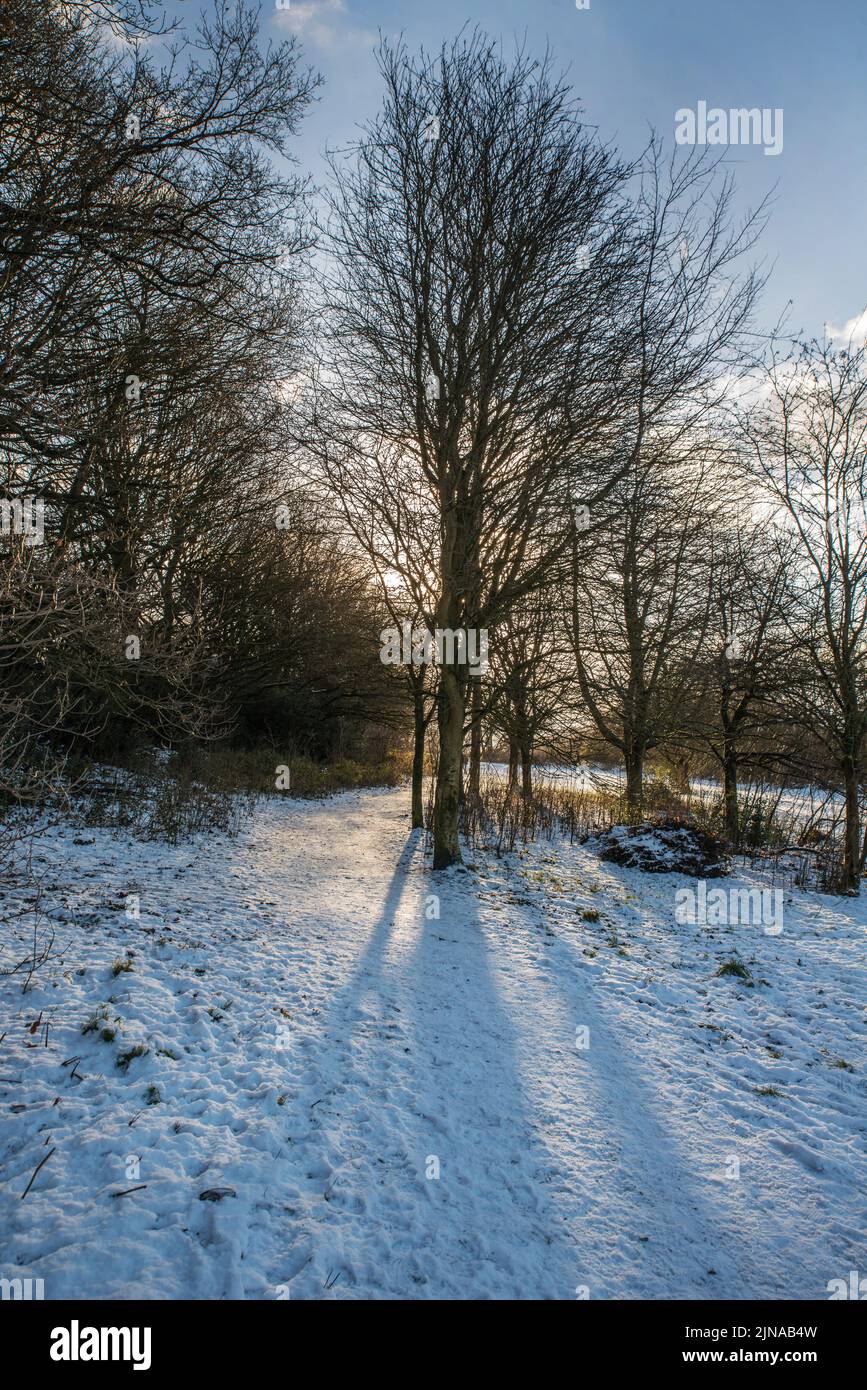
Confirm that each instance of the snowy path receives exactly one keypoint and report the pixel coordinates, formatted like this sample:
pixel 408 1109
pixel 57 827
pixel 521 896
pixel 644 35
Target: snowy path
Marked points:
pixel 320 1042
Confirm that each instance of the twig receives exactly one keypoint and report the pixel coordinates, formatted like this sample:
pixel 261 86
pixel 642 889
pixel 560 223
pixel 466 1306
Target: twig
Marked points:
pixel 36 1170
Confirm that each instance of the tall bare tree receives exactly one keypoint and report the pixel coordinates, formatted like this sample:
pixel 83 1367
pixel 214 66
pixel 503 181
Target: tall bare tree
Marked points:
pixel 750 651
pixel 480 265
pixel 636 616
pixel 530 681
pixel 808 439
pixel 638 610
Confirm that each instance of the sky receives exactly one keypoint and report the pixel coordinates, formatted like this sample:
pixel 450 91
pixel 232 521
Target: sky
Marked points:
pixel 634 64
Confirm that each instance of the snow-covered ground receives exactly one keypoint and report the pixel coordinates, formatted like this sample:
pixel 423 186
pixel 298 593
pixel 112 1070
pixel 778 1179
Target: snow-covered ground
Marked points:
pixel 407 1105
pixel 795 805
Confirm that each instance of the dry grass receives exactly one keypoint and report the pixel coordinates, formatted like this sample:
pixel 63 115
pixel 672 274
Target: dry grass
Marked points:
pixel 776 839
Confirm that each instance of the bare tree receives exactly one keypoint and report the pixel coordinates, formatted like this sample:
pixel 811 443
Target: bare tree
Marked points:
pixel 530 682
pixel 390 520
pixel 472 333
pixel 638 610
pixel 749 648
pixel 807 435
pixel 637 617
pixel 150 313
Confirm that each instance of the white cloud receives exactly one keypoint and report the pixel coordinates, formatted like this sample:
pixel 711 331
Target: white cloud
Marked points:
pixel 322 22
pixel 854 330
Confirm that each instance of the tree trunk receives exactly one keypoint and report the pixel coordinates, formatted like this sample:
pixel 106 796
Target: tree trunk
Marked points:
pixel 526 771
pixel 418 755
pixel 730 791
pixel 513 764
pixel 475 767
pixel 450 720
pixel 634 780
pixel 852 843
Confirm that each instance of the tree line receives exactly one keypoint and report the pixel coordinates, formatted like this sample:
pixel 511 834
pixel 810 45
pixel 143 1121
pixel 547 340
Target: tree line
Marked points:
pixel 491 377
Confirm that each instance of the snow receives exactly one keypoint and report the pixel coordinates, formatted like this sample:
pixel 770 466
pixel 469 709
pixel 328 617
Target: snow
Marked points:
pixel 320 1041
pixel 661 848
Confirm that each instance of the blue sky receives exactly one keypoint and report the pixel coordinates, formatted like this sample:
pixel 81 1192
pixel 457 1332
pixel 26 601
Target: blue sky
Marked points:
pixel 636 62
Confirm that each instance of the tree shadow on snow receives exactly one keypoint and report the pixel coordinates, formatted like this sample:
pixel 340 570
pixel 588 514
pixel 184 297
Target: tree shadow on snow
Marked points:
pixel 435 1179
